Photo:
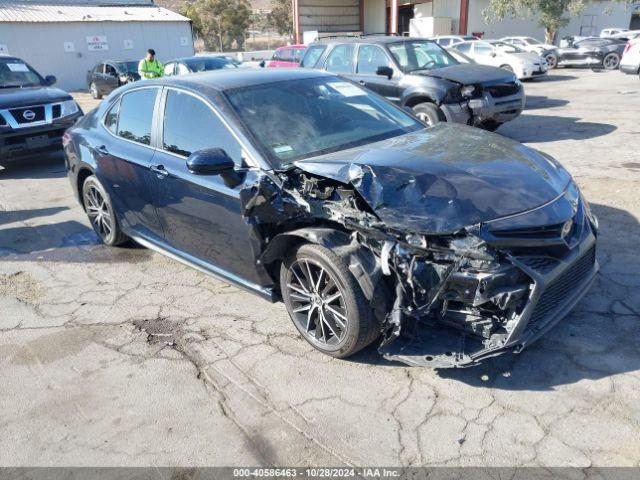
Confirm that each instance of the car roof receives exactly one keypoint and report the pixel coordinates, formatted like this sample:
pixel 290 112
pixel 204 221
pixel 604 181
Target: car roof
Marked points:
pixel 297 46
pixel 380 39
pixel 237 78
pixel 198 57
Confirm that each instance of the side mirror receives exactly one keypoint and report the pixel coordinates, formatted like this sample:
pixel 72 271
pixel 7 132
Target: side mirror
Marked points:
pixel 262 64
pixel 385 71
pixel 50 80
pixel 494 54
pixel 211 161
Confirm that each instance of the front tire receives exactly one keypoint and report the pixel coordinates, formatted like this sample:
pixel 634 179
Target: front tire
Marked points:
pixel 611 61
pixel 95 93
pixel 429 113
pixel 325 302
pixel 552 61
pixel 101 214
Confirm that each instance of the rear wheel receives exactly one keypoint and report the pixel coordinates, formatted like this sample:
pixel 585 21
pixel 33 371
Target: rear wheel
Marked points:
pixel 429 113
pixel 100 211
pixel 325 302
pixel 611 61
pixel 95 93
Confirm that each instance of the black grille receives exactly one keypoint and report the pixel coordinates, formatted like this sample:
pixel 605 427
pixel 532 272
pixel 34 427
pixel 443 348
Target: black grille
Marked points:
pixel 548 231
pixel 540 264
pixel 56 111
pixel 563 286
pixel 28 115
pixel 503 90
pixel 2 121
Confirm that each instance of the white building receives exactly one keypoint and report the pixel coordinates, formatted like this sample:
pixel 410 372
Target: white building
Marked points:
pixel 447 17
pixel 68 37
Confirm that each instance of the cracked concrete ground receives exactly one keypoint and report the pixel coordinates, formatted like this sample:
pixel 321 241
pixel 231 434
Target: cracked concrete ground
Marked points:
pixel 123 357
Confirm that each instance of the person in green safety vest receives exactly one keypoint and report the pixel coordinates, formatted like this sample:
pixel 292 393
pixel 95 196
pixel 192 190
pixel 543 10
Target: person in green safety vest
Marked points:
pixel 149 67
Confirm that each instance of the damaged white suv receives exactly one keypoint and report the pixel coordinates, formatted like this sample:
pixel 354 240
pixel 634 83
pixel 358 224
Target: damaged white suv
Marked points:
pixel 449 243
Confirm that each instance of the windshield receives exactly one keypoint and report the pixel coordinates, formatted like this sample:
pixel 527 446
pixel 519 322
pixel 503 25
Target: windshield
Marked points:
pixel 127 67
pixel 420 55
pixel 507 48
pixel 205 64
pixel 298 119
pixel 14 73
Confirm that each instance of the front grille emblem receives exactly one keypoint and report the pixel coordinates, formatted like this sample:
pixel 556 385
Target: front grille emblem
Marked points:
pixel 28 115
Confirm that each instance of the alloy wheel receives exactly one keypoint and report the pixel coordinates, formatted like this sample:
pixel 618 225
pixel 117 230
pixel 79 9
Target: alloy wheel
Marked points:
pixel 552 61
pixel 318 304
pixel 98 211
pixel 610 61
pixel 424 117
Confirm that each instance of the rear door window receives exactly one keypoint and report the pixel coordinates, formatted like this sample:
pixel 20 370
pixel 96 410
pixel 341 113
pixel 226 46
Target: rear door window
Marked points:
pixel 463 47
pixel 136 115
pixel 370 57
pixel 340 60
pixel 111 118
pixel 312 56
pixel 190 125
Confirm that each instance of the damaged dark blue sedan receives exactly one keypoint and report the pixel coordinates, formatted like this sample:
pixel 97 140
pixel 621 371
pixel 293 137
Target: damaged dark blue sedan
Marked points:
pixel 448 244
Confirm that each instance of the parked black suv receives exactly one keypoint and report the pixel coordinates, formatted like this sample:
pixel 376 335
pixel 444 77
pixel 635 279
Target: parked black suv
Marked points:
pixel 419 74
pixel 33 116
pixel 106 76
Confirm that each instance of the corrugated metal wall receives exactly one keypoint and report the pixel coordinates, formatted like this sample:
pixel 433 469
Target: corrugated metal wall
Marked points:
pixel 330 15
pixel 43 45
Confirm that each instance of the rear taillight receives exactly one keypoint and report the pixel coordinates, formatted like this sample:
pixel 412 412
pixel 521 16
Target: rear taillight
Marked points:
pixel 66 139
pixel 627 47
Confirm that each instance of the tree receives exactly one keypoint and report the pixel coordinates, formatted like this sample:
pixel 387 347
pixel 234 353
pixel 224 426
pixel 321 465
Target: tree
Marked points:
pixel 220 23
pixel 281 17
pixel 553 14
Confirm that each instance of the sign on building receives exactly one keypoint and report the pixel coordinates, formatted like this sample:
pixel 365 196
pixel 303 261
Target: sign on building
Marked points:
pixel 97 43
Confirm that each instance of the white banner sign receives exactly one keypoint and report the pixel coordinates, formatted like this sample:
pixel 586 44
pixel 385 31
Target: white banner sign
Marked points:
pixel 97 43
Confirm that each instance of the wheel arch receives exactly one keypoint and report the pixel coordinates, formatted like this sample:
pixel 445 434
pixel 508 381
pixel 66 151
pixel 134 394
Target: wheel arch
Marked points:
pixel 84 172
pixel 362 263
pixel 420 97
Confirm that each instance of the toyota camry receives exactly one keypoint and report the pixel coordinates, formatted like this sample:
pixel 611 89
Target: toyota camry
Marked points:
pixel 446 244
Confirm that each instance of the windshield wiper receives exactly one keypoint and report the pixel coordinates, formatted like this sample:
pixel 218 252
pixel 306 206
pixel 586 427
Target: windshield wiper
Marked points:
pixel 11 86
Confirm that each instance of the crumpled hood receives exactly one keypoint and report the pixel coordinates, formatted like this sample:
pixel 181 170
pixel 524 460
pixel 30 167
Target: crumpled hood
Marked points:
pixel 29 96
pixel 470 74
pixel 442 179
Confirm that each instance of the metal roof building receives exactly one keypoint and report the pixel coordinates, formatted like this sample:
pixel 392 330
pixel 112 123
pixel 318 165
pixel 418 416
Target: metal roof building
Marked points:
pixel 67 38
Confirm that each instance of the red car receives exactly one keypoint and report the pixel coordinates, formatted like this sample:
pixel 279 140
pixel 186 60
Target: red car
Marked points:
pixel 288 56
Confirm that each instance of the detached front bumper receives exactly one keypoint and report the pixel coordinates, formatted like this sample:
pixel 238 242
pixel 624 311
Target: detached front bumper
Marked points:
pixel 21 143
pixel 554 292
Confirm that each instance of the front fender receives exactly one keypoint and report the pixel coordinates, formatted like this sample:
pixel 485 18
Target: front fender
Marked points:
pixel 362 263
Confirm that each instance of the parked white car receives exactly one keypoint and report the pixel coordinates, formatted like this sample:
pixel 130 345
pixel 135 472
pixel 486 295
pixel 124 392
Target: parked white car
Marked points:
pixel 529 44
pixel 446 41
pixel 499 54
pixel 610 32
pixel 630 62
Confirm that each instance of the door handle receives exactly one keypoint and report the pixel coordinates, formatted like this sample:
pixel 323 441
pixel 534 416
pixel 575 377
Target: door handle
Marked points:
pixel 159 170
pixel 102 150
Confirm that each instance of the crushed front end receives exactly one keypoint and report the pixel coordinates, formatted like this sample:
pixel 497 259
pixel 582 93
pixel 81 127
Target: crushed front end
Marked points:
pixel 498 286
